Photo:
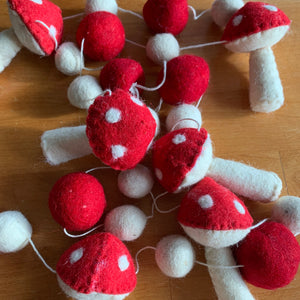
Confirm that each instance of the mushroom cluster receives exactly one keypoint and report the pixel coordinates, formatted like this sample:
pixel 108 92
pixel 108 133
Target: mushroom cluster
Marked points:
pixel 36 25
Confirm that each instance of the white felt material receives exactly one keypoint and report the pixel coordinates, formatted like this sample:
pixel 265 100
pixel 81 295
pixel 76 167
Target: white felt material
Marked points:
pixel 183 111
pixel 9 47
pixel 92 296
pixel 15 231
pixel 259 40
pixel 223 10
pixel 244 180
pixel 135 183
pixel 64 144
pixel 126 222
pixel 201 166
pixel 101 5
pixel 157 121
pixel 265 88
pixel 162 47
pixel 228 283
pixel 23 34
pixel 67 59
pixel 175 256
pixel 83 90
pixel 286 210
pixel 215 238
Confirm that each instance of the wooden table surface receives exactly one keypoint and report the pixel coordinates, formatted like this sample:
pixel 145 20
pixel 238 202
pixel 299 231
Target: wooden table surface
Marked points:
pixel 33 99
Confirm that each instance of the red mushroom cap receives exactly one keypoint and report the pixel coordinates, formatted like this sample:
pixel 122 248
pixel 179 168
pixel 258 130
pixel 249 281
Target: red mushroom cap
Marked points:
pixel 270 255
pixel 31 11
pixel 254 18
pixel 99 263
pixel 209 205
pixel 213 216
pixel 121 73
pixel 120 129
pixel 77 201
pixel 187 80
pixel 168 16
pixel 104 35
pixel 175 154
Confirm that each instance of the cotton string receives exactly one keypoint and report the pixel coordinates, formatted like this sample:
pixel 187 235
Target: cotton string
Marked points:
pixel 83 234
pixel 82 60
pixel 136 44
pixel 40 256
pixel 97 168
pixel 137 254
pixel 218 267
pixel 202 45
pixel 152 212
pixel 195 13
pixel 73 16
pixel 186 119
pixel 130 12
pixel 157 109
pixel 156 207
pixel 51 33
pixel 198 103
pixel 258 224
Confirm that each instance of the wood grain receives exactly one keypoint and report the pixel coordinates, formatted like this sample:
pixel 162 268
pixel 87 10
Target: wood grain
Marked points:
pixel 33 99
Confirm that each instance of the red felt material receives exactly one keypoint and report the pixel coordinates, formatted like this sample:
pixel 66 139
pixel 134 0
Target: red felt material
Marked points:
pixel 270 255
pixel 77 201
pixel 104 35
pixel 186 81
pixel 256 18
pixel 134 131
pixel 47 12
pixel 121 73
pixel 168 16
pixel 222 215
pixel 175 161
pixel 98 269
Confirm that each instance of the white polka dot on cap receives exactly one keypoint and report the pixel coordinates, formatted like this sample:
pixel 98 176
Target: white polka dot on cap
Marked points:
pixel 237 20
pixel 178 139
pixel 113 115
pixel 118 151
pixel 76 255
pixel 239 207
pixel 123 263
pixel 206 202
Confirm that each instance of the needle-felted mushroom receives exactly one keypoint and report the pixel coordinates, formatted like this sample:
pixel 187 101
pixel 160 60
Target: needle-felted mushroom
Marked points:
pixel 184 156
pixel 168 16
pixel 120 129
pixel 36 25
pixel 186 81
pixel 97 267
pixel 270 254
pixel 216 218
pixel 255 28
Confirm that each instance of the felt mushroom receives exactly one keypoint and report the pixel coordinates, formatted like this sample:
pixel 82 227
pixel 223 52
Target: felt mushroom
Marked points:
pixel 216 218
pixel 183 157
pixel 255 28
pixel 37 25
pixel 97 267
pixel 186 81
pixel 120 129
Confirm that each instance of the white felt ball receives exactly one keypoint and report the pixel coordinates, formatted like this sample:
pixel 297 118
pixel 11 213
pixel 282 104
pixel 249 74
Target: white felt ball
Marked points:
pixel 286 210
pixel 15 231
pixel 67 59
pixel 83 90
pixel 184 111
pixel 175 256
pixel 135 183
pixel 157 121
pixel 101 5
pixel 126 222
pixel 162 47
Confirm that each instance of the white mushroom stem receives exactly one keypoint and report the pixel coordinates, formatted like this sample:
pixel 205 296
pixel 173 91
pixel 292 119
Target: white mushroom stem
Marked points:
pixel 228 282
pixel 64 144
pixel 245 180
pixel 9 47
pixel 222 10
pixel 266 92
